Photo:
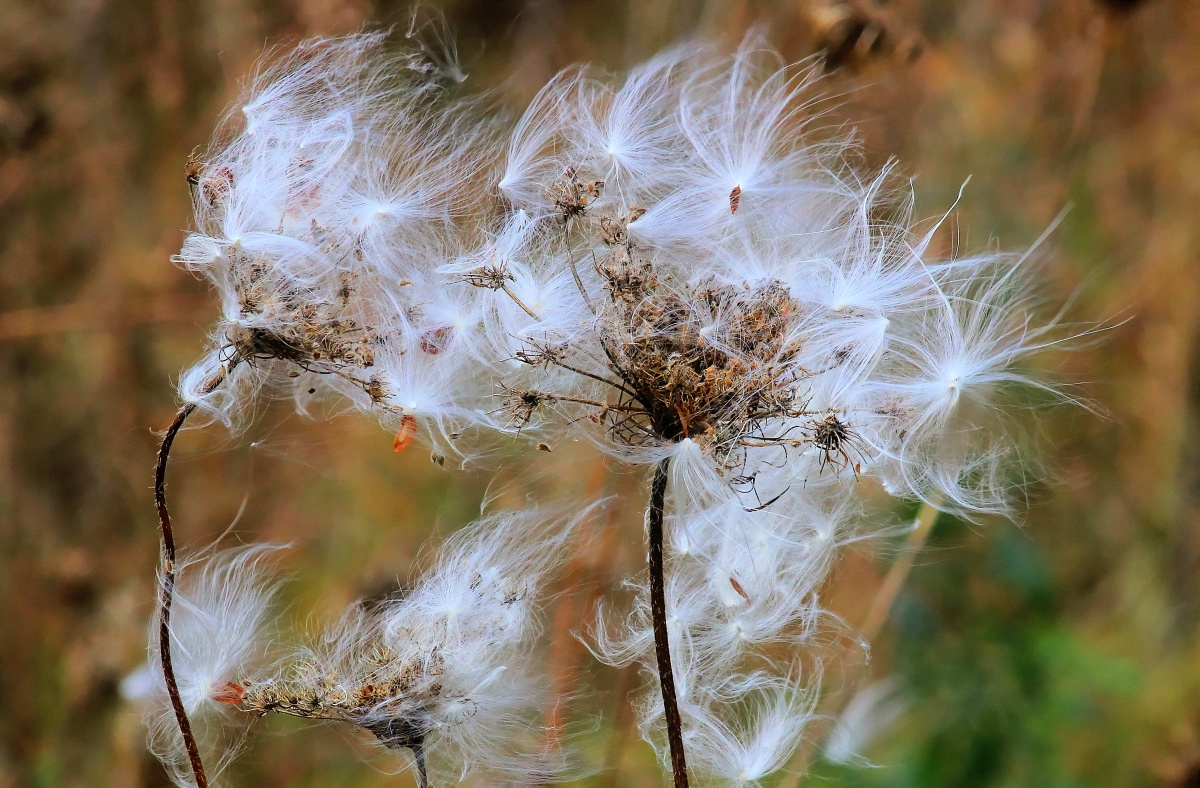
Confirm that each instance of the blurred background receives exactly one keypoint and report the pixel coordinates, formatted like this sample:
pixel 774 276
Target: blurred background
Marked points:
pixel 1061 650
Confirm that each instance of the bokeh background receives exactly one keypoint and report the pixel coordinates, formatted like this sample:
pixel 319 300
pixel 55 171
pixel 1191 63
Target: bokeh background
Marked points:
pixel 1060 650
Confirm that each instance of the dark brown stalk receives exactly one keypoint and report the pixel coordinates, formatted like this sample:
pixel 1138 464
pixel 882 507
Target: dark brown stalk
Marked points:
pixel 658 612
pixel 167 589
pixel 418 751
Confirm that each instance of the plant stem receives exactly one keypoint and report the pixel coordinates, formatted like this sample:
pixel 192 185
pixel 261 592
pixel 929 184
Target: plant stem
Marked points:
pixel 885 597
pixel 167 589
pixel 520 303
pixel 418 751
pixel 658 612
pixel 621 725
pixel 881 607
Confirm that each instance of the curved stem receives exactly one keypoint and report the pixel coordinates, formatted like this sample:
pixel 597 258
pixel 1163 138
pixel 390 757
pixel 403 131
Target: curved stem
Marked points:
pixel 167 589
pixel 575 272
pixel 658 612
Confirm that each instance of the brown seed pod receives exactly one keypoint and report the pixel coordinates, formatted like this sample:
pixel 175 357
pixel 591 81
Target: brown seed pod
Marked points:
pixel 192 171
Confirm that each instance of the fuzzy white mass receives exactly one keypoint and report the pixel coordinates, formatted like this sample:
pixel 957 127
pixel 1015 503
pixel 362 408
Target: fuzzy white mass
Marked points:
pixel 672 265
pixel 446 670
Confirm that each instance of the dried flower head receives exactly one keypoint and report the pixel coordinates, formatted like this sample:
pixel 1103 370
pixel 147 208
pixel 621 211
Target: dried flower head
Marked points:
pixel 444 670
pixel 335 193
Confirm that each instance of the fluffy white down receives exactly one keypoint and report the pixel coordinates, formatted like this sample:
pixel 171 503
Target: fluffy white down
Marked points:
pixel 220 622
pixel 467 635
pixel 477 614
pixel 427 242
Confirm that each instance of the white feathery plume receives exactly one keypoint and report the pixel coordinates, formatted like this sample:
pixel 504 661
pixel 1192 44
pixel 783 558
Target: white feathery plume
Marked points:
pixel 358 246
pixel 219 629
pixel 320 217
pixel 760 743
pixel 670 267
pixel 868 714
pixel 446 669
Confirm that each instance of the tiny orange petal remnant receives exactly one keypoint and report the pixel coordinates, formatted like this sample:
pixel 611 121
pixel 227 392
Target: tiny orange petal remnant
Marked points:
pixel 735 197
pixel 408 431
pixel 230 693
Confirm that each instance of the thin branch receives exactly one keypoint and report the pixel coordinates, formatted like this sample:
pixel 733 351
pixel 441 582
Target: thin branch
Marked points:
pixel 885 597
pixel 614 363
pixel 658 612
pixel 620 727
pixel 628 419
pixel 768 442
pixel 595 403
pixel 575 271
pixel 418 751
pixel 520 303
pixel 167 589
pixel 762 506
pixel 615 384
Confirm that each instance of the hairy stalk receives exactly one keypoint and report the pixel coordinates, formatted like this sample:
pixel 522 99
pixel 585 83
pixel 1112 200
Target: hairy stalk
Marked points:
pixel 167 589
pixel 658 611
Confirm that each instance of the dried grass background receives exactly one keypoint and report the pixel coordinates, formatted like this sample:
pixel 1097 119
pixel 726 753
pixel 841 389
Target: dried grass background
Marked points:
pixel 1063 651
